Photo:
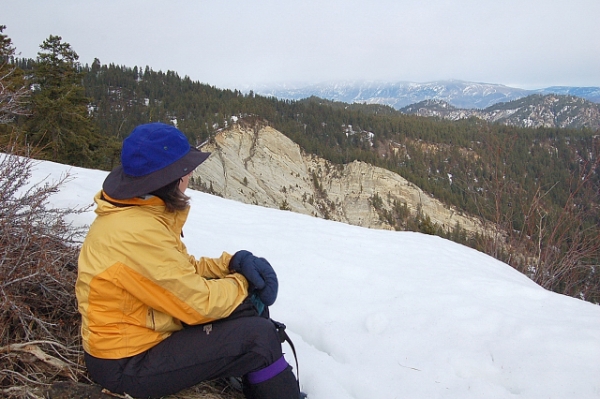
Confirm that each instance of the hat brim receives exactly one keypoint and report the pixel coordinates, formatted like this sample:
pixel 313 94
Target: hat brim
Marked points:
pixel 119 185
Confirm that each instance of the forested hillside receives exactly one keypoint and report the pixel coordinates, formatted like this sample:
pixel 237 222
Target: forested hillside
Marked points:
pixel 451 160
pixel 540 186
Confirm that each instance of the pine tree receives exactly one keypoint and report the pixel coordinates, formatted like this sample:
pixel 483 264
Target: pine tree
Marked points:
pixel 60 123
pixel 14 91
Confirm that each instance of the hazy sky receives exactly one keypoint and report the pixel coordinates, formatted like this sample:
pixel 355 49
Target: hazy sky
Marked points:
pixel 233 44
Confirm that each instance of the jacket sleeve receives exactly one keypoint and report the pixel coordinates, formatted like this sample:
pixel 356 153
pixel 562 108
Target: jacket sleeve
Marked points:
pixel 212 267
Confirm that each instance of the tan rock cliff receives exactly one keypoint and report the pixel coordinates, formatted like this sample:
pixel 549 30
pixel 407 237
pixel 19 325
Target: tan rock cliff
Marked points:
pixel 262 166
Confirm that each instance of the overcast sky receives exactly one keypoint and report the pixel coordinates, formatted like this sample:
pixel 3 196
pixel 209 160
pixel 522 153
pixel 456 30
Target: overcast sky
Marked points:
pixel 233 44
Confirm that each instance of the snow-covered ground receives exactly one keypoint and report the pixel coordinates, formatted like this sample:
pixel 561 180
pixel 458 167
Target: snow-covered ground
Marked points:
pixel 382 315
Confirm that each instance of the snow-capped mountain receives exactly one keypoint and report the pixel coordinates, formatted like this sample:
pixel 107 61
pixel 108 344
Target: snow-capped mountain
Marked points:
pixel 400 94
pixel 550 110
pixel 589 93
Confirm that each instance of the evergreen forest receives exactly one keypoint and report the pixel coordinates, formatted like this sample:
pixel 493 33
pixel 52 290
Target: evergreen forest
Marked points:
pixel 540 187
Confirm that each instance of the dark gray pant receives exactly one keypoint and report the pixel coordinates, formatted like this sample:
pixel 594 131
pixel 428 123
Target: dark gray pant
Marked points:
pixel 232 347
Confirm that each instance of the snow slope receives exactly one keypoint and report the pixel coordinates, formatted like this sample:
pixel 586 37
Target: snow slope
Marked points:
pixel 382 315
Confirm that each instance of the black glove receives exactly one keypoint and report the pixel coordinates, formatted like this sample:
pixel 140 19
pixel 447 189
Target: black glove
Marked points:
pixel 259 273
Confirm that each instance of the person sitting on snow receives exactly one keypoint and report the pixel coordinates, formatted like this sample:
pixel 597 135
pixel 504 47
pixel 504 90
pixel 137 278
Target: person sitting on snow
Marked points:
pixel 155 319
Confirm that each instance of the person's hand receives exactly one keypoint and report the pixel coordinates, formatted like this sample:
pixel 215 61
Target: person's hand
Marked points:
pixel 259 273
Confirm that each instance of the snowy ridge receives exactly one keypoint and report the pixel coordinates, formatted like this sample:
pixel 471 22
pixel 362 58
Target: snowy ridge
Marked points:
pixel 382 314
pixel 562 111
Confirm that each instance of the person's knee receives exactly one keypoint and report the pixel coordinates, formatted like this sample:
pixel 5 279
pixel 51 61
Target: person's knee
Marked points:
pixel 264 339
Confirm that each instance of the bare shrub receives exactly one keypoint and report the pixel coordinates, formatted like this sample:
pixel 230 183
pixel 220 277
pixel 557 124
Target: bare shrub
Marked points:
pixel 557 247
pixel 39 322
pixel 566 244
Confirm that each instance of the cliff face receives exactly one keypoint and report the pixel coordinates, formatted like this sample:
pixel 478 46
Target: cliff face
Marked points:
pixel 262 166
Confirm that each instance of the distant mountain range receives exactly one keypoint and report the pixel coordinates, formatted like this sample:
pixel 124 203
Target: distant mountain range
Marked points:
pixel 460 94
pixel 551 110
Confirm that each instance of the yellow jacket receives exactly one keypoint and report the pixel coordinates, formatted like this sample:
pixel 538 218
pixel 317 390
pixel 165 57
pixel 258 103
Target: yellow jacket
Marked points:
pixel 136 282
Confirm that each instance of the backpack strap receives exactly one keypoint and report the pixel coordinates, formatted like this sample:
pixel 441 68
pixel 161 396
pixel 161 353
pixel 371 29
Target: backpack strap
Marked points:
pixel 283 336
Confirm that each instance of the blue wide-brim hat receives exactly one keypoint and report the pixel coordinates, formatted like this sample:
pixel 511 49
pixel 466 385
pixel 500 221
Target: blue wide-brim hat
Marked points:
pixel 153 155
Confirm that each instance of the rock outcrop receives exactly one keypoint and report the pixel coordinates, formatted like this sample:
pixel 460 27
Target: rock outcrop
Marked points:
pixel 259 165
